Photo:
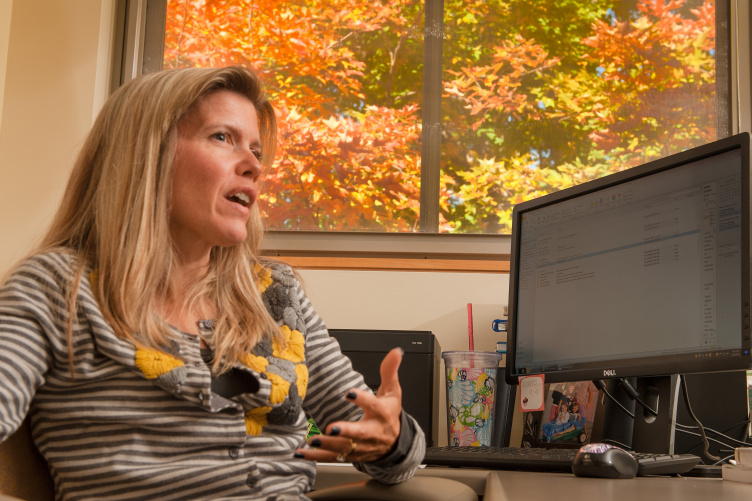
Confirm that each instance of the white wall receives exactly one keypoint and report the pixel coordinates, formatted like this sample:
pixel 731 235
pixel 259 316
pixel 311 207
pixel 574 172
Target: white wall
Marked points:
pixel 55 76
pixel 411 300
pixel 5 10
pixel 415 301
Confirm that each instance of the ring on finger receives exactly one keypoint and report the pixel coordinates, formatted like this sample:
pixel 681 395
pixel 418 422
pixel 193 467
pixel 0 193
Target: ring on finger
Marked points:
pixel 342 456
pixel 353 446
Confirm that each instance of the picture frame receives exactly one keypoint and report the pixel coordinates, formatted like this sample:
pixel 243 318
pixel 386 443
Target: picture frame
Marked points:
pixel 569 418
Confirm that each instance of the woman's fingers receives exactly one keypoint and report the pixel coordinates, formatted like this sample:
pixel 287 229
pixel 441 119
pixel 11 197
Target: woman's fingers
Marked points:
pixel 389 370
pixel 324 448
pixel 373 436
pixel 330 449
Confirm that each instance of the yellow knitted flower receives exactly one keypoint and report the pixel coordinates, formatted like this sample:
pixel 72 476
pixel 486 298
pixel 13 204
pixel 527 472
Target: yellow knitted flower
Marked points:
pixel 154 363
pixel 301 381
pixel 255 420
pixel 294 351
pixel 263 278
pixel 93 281
pixel 256 363
pixel 280 388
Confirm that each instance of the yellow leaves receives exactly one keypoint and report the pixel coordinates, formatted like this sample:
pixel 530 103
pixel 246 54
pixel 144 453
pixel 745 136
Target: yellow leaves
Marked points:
pixel 331 122
pixel 642 23
pixel 452 90
pixel 493 187
pixel 548 102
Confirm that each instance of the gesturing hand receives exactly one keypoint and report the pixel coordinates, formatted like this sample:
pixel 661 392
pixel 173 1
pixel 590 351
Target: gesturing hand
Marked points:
pixel 372 437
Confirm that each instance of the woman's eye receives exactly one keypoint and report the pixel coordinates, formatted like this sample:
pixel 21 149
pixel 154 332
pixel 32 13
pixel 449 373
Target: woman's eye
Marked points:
pixel 220 136
pixel 257 154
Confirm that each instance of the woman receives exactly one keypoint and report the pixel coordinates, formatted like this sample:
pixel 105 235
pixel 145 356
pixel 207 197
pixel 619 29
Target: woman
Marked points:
pixel 156 354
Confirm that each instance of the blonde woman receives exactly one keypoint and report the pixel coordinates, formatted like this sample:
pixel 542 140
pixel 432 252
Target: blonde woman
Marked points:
pixel 155 353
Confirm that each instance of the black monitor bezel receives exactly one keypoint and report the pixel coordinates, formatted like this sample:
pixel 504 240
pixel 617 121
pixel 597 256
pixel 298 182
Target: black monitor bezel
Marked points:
pixel 652 368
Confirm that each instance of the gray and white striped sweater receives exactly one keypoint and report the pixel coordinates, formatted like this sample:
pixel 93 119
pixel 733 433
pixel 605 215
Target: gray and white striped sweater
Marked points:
pixel 134 424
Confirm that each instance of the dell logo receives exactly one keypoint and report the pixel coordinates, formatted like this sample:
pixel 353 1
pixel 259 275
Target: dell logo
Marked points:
pixel 609 372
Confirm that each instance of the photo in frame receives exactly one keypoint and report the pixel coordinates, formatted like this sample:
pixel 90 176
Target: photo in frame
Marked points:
pixel 568 419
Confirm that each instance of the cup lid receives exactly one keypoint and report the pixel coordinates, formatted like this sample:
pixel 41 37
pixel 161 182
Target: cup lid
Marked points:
pixel 478 358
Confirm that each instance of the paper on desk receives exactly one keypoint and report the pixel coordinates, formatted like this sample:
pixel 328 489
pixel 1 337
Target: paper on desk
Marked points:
pixel 737 473
pixel 743 456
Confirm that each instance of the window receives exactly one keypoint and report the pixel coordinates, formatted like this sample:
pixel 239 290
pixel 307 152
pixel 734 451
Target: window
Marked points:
pixel 437 117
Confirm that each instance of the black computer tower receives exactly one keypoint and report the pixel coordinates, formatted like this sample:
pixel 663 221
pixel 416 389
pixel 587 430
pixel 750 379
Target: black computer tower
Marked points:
pixel 419 373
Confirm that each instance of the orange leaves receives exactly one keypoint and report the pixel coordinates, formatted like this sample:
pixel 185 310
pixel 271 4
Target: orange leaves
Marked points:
pixel 658 71
pixel 658 49
pixel 536 96
pixel 499 85
pixel 347 174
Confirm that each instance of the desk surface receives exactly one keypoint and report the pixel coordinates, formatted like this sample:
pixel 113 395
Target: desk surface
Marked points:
pixel 516 485
pixel 510 485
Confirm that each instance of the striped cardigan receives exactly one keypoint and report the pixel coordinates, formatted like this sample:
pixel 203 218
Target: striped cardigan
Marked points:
pixel 138 424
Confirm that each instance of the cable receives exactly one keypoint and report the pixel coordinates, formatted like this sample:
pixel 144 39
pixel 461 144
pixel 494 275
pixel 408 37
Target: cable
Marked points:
pixel 636 396
pixel 705 442
pixel 710 439
pixel 746 423
pixel 602 387
pixel 724 460
pixel 688 429
pixel 617 443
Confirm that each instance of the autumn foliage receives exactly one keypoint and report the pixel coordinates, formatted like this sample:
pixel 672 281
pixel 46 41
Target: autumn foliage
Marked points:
pixel 536 96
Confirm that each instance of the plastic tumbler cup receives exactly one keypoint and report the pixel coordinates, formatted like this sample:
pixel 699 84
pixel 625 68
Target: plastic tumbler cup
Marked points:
pixel 471 388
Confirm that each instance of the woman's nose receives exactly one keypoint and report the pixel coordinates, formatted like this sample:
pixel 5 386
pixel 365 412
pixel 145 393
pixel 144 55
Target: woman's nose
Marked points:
pixel 250 165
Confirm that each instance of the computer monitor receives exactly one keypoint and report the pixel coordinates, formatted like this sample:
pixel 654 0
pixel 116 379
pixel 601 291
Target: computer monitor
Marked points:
pixel 643 273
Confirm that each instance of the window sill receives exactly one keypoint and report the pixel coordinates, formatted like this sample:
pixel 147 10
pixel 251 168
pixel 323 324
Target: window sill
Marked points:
pixel 498 265
pixel 391 252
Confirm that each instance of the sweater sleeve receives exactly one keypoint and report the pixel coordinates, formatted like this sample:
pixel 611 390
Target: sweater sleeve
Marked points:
pixel 330 375
pixel 31 310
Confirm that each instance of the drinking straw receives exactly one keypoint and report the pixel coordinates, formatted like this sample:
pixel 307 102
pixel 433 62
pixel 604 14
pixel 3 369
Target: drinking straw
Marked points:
pixel 470 325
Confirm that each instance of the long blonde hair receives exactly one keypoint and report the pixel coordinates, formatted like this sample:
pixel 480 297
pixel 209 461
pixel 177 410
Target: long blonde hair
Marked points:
pixel 114 215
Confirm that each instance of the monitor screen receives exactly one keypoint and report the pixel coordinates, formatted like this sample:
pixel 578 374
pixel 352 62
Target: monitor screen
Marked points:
pixel 643 272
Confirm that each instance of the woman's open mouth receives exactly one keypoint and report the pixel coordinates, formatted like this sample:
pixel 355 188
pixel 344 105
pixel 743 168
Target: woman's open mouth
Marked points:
pixel 240 198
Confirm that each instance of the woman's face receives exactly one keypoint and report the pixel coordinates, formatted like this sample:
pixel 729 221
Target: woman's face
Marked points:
pixel 216 172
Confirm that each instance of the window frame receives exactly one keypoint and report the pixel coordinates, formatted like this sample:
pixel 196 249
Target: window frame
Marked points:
pixel 138 19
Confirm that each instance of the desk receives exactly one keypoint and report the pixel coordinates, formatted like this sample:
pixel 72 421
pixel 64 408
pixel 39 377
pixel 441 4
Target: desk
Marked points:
pixel 530 486
pixel 330 475
pixel 533 486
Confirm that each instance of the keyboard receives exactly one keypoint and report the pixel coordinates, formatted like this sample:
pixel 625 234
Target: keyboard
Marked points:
pixel 552 460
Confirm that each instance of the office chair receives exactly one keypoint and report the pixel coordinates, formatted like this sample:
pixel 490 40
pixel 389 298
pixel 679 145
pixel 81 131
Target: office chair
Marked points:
pixel 24 477
pixel 23 470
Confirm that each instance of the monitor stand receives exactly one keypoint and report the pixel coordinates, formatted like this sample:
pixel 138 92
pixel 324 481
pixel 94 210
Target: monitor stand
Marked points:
pixel 656 433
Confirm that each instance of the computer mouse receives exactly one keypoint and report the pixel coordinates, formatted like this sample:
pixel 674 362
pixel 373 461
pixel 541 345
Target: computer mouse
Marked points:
pixel 605 461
